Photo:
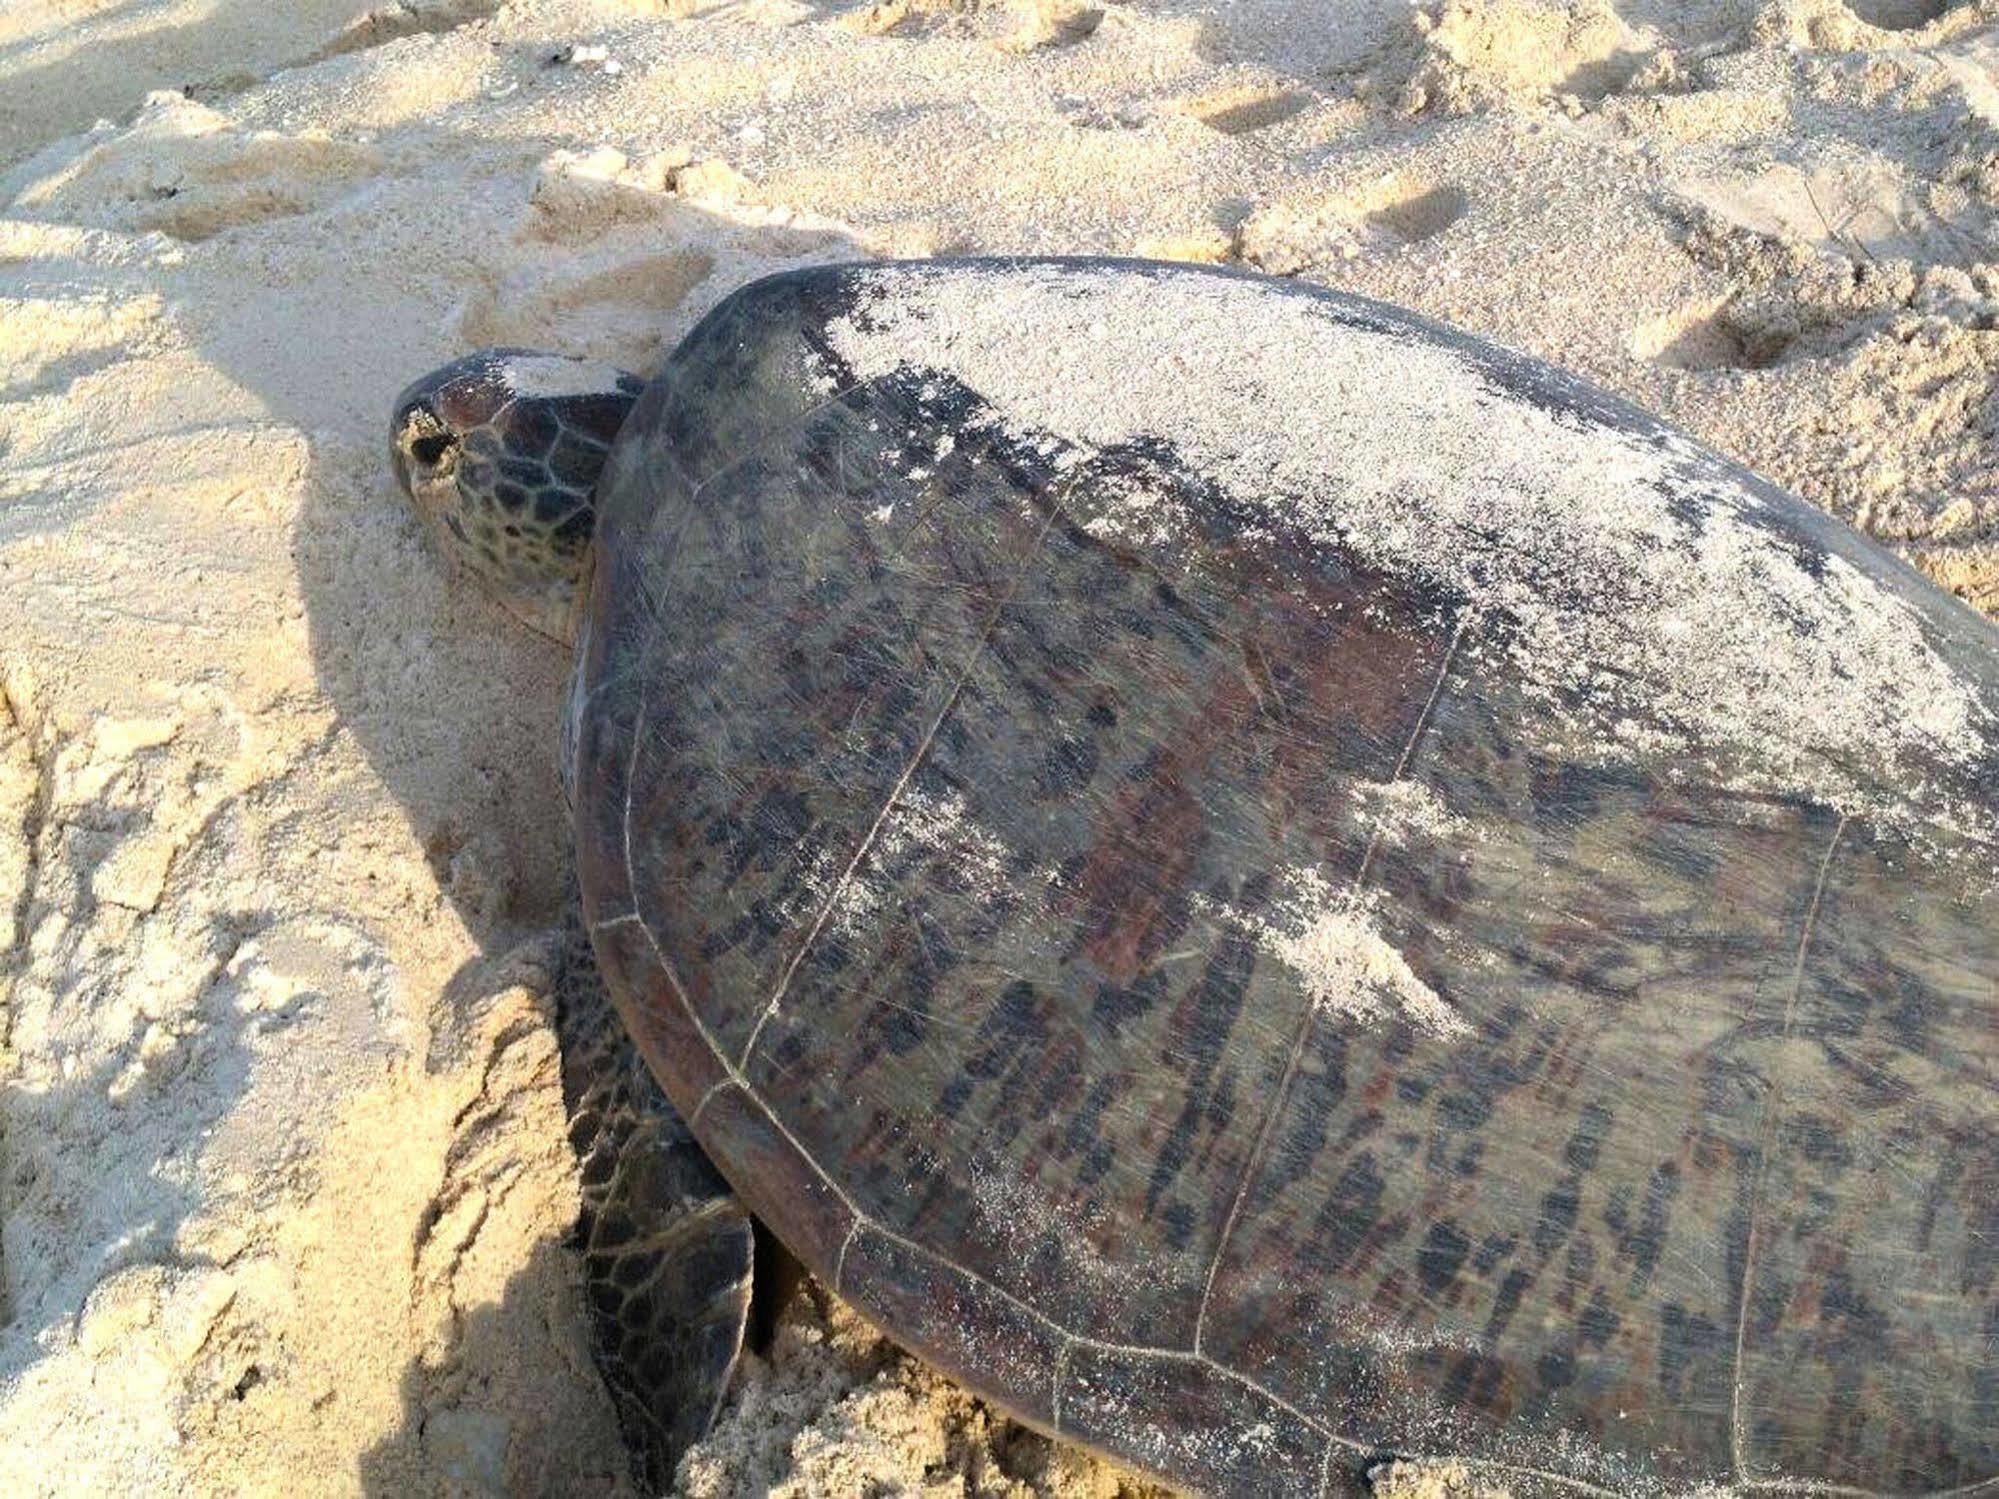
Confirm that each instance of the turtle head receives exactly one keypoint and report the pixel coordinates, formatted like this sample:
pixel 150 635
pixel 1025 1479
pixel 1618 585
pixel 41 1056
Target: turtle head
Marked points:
pixel 500 453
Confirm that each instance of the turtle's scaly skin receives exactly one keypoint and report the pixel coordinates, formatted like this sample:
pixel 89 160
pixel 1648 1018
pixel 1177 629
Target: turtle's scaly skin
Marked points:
pixel 923 837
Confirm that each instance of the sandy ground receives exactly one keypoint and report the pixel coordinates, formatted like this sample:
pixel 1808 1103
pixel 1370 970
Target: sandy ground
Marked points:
pixel 283 1186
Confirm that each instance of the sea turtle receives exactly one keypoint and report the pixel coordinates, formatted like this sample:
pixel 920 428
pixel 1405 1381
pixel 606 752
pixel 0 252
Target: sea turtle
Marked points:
pixel 1268 884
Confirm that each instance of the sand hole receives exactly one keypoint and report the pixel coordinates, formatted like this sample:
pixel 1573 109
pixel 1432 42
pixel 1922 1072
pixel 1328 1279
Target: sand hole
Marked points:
pixel 1419 213
pixel 1601 77
pixel 1239 111
pixel 1707 337
pixel 1053 23
pixel 617 311
pixel 1898 15
pixel 658 283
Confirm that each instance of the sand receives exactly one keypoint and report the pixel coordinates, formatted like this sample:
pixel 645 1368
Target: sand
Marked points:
pixel 283 1186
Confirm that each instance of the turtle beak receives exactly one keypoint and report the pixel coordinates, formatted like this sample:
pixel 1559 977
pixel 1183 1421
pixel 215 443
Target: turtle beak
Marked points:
pixel 422 448
pixel 433 415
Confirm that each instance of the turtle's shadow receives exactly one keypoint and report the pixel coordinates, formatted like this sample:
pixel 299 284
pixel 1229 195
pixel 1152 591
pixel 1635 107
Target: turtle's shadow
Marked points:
pixel 456 710
pixel 465 1445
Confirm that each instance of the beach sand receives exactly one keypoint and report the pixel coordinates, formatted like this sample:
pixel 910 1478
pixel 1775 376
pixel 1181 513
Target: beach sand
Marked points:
pixel 283 1178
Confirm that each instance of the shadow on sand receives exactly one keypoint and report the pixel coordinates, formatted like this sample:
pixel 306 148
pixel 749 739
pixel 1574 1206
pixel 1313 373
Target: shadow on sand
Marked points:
pixel 456 709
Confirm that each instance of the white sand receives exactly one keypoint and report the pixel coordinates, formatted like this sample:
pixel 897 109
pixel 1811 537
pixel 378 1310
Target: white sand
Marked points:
pixel 1331 940
pixel 1630 571
pixel 282 1178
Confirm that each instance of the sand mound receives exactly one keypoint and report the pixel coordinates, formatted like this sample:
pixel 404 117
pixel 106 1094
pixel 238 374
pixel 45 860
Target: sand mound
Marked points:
pixel 1476 55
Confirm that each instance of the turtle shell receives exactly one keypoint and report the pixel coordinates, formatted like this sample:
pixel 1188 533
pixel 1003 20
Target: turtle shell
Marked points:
pixel 1270 885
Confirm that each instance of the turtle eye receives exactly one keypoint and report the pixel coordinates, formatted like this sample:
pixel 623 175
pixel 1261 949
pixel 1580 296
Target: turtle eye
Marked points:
pixel 430 449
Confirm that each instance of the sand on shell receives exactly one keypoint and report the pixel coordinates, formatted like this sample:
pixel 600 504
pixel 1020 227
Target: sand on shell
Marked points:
pixel 283 1186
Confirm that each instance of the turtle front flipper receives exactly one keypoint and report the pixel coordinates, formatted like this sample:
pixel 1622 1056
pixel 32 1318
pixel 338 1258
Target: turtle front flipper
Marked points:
pixel 668 1249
